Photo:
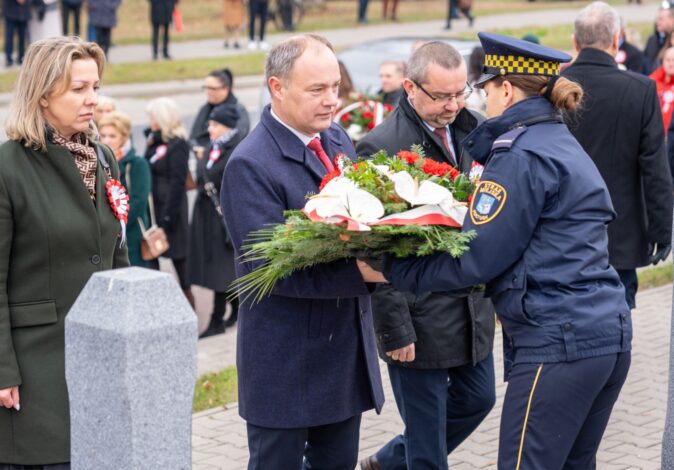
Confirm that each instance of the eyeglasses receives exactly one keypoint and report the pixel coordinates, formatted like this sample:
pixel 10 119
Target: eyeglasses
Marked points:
pixel 211 88
pixel 459 97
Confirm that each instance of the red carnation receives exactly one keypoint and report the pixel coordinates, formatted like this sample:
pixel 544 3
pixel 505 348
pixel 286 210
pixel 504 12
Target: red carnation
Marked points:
pixel 388 108
pixel 370 125
pixel 355 166
pixel 346 117
pixel 431 167
pixel 409 157
pixel 368 115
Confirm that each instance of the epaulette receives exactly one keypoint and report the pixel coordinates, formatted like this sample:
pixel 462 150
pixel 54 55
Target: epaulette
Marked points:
pixel 506 141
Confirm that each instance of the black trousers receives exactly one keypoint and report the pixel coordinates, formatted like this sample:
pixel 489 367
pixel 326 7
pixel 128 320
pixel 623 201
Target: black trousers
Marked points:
pixel 257 9
pixel 10 27
pixel 327 447
pixel 155 39
pixel 66 11
pixel 103 38
pixel 554 414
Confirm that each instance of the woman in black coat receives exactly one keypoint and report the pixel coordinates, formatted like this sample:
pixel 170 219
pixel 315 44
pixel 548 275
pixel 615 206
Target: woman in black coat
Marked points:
pixel 218 88
pixel 161 16
pixel 167 153
pixel 211 261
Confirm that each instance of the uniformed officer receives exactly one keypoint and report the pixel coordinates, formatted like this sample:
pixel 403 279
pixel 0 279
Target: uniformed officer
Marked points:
pixel 540 213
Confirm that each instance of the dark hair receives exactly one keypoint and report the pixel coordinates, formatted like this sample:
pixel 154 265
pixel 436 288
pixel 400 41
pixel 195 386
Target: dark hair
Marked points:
pixel 566 95
pixel 224 76
pixel 346 84
pixel 475 62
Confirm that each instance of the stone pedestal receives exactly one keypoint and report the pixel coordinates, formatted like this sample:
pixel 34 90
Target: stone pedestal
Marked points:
pixel 131 365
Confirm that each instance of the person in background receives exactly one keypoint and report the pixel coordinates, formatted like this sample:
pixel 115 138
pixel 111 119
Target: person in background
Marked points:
pixel 664 25
pixel 233 16
pixel 362 11
pixel 394 9
pixel 257 9
pixel 57 228
pixel 391 76
pixel 115 132
pixel 347 91
pixel 453 8
pixel 161 17
pixel 664 82
pixel 628 149
pixel 211 261
pixel 16 14
pixel 629 55
pixel 45 21
pixel 168 154
pixel 285 9
pixel 103 17
pixel 218 88
pixel 477 101
pixel 74 8
pixel 105 106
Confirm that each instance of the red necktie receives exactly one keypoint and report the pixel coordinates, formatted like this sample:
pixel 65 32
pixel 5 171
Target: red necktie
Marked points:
pixel 442 133
pixel 316 146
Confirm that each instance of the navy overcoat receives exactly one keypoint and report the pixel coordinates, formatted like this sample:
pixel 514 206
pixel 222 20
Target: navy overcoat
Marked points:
pixel 306 355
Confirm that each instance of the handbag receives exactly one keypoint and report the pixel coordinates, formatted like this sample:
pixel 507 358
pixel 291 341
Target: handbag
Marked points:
pixel 465 4
pixel 155 242
pixel 177 20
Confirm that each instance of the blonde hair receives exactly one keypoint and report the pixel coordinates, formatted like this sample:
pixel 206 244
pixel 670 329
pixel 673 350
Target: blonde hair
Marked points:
pixel 46 71
pixel 166 113
pixel 106 100
pixel 119 121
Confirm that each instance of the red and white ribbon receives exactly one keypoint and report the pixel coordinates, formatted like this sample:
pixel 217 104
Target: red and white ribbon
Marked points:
pixel 119 202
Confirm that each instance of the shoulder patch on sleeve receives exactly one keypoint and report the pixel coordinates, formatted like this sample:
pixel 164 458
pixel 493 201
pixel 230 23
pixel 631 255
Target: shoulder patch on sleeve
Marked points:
pixel 506 141
pixel 487 202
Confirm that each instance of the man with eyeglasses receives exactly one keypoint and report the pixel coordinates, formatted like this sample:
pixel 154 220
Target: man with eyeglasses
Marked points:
pixel 438 347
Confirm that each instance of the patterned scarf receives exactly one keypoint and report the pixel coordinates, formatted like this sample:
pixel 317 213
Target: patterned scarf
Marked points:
pixel 85 158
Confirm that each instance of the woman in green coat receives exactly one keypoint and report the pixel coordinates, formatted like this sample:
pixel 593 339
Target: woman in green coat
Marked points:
pixel 57 228
pixel 114 130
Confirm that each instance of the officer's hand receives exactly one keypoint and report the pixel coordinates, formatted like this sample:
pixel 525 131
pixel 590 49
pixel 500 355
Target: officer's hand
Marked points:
pixel 369 274
pixel 405 354
pixel 658 252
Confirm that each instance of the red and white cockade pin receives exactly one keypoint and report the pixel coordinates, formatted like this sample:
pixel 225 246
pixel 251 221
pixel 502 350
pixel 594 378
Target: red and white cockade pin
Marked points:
pixel 213 157
pixel 159 153
pixel 119 202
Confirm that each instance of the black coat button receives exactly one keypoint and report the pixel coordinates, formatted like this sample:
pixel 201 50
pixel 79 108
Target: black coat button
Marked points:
pixel 95 259
pixel 567 327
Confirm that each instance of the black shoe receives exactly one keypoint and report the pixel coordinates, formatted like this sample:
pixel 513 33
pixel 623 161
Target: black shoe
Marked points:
pixel 167 57
pixel 471 20
pixel 9 63
pixel 448 26
pixel 237 45
pixel 213 330
pixel 226 44
pixel 231 321
pixel 370 463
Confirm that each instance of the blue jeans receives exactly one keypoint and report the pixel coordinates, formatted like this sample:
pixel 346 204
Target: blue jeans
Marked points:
pixel 20 28
pixel 362 10
pixel 257 9
pixel 440 409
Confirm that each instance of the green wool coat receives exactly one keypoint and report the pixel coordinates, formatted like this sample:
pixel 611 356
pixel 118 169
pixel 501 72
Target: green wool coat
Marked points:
pixel 137 179
pixel 52 239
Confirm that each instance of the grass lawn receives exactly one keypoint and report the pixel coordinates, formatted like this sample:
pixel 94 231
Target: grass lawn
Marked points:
pixel 655 276
pixel 215 390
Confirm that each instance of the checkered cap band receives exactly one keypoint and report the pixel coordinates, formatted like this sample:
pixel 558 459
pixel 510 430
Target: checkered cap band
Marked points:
pixel 501 65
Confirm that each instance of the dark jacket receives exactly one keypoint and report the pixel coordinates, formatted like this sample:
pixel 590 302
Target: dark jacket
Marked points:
pixel 161 11
pixel 319 319
pixel 199 132
pixel 169 165
pixel 620 127
pixel 448 330
pixel 52 239
pixel 211 260
pixel 633 59
pixel 136 178
pixel 540 214
pixel 103 13
pixel 652 50
pixel 392 98
pixel 13 11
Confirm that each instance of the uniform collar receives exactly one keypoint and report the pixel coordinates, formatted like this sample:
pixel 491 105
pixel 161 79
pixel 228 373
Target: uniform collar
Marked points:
pixel 590 55
pixel 480 141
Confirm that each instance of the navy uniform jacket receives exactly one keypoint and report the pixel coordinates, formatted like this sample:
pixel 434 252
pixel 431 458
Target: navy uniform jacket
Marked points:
pixel 306 355
pixel 540 213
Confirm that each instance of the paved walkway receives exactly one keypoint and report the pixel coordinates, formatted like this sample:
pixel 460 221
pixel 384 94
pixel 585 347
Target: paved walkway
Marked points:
pixel 632 440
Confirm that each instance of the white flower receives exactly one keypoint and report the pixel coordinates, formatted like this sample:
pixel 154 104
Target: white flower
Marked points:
pixel 342 197
pixel 417 194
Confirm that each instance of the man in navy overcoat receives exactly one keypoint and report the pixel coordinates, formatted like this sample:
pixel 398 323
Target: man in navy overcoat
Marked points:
pixel 306 355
